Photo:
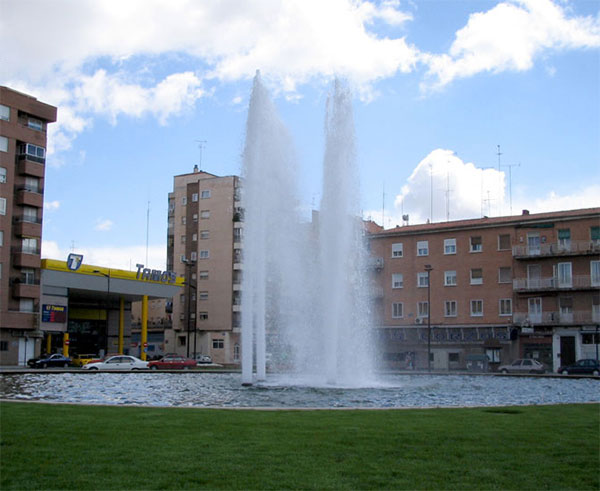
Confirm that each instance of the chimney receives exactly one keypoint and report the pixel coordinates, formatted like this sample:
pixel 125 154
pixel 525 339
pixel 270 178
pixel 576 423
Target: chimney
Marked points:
pixel 195 168
pixel 525 212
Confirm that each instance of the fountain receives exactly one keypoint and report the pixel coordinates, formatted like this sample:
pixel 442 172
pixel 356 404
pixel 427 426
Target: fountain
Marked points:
pixel 304 302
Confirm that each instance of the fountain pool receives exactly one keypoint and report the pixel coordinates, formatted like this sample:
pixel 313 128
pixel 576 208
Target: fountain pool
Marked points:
pixel 287 392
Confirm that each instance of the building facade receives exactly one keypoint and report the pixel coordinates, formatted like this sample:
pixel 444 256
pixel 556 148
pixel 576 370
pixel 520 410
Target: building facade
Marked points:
pixel 509 287
pixel 23 139
pixel 204 245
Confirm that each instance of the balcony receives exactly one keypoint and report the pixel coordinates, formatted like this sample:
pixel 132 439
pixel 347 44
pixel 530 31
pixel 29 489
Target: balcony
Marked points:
pixel 27 226
pixel 571 248
pixel 29 197
pixel 26 258
pixel 556 318
pixel 580 282
pixel 26 167
pixel 31 289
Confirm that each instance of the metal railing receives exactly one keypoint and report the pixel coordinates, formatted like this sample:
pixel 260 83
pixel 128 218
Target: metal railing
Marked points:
pixel 572 247
pixel 553 283
pixel 31 158
pixel 556 317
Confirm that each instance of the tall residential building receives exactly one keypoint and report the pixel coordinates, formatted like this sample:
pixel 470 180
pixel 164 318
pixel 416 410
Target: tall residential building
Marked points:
pixel 23 139
pixel 509 287
pixel 205 222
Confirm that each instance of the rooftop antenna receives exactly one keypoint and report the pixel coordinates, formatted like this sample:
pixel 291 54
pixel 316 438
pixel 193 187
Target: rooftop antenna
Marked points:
pixel 201 144
pixel 383 207
pixel 483 169
pixel 510 166
pixel 431 192
pixel 499 153
pixel 448 191
pixel 147 230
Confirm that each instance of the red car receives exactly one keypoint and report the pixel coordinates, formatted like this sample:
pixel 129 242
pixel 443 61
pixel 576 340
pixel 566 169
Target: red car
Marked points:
pixel 172 362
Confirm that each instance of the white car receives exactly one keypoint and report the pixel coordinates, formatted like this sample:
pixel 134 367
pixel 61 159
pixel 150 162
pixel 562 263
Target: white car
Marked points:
pixel 523 365
pixel 118 362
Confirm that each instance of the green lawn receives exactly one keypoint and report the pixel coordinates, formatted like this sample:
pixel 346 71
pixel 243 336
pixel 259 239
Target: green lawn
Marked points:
pixel 89 447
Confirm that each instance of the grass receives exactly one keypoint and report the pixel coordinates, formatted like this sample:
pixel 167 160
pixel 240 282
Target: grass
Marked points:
pixel 90 447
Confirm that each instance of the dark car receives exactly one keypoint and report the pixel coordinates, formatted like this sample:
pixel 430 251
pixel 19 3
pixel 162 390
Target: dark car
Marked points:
pixel 46 361
pixel 587 366
pixel 174 362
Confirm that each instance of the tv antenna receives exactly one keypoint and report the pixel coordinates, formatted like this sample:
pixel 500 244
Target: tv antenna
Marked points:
pixel 201 145
pixel 510 166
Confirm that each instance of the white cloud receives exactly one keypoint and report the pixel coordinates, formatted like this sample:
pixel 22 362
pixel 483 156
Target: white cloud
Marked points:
pixel 111 257
pixel 474 192
pixel 509 37
pixel 103 225
pixel 51 206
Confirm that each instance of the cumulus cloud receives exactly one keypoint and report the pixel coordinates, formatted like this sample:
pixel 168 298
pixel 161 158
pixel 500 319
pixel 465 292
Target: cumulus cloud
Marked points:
pixel 112 257
pixel 103 225
pixel 51 206
pixel 461 190
pixel 508 38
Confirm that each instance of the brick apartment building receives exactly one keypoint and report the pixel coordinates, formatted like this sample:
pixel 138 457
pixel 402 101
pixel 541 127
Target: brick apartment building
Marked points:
pixel 23 136
pixel 205 223
pixel 507 287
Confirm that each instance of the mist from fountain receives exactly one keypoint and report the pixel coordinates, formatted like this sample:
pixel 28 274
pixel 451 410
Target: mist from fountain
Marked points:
pixel 304 296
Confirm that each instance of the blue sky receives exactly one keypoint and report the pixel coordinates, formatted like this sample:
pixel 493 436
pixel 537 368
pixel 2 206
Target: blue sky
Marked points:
pixel 438 86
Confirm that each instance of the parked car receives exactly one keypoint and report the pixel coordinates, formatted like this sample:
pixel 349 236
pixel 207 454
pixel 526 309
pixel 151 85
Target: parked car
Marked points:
pixel 585 366
pixel 523 365
pixel 203 359
pixel 45 361
pixel 118 362
pixel 82 359
pixel 172 362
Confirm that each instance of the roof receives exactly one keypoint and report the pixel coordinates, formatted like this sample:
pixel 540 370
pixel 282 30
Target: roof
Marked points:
pixel 513 220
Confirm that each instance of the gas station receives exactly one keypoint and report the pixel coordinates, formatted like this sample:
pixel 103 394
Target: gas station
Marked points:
pixel 87 309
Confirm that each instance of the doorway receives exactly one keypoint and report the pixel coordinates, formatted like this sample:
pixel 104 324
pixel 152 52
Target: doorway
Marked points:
pixel 567 350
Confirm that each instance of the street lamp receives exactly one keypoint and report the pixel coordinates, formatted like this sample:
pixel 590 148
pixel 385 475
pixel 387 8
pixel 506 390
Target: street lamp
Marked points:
pixel 428 269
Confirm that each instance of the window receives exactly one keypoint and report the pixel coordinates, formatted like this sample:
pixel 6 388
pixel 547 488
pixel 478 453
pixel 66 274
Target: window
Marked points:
pixel 449 246
pixel 450 308
pixel 594 272
pixel 397 310
pixel 218 344
pixel 397 280
pixel 1 237
pixel 423 309
pixel 422 280
pixel 504 274
pixel 195 197
pixel 205 194
pixel 237 234
pixel 564 239
pixel 204 234
pixel 29 245
pixel 3 144
pixel 193 256
pixel 30 214
pixel 476 244
pixel 454 357
pixel 503 242
pixel 3 345
pixel 595 235
pixel 423 248
pixel 565 277
pixel 32 151
pixel 566 308
pixel 181 339
pixel 397 250
pixel 32 184
pixel 2 174
pixel 183 220
pixel 182 298
pixel 203 275
pixel 493 354
pixel 195 217
pixel 534 309
pixel 204 254
pixel 184 201
pixel 476 276
pixel 2 206
pixel 4 112
pixel 476 308
pixel 202 295
pixel 28 276
pixel 183 239
pixel 449 278
pixel 26 305
pixel 236 352
pixel 505 306
pixel 35 124
pixel 204 214
pixel 203 316
pixel 194 237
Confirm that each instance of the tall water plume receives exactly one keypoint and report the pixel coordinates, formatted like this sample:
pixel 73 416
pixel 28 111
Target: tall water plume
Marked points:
pixel 304 296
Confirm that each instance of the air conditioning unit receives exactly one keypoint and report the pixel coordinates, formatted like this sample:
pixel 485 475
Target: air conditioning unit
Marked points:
pixel 419 320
